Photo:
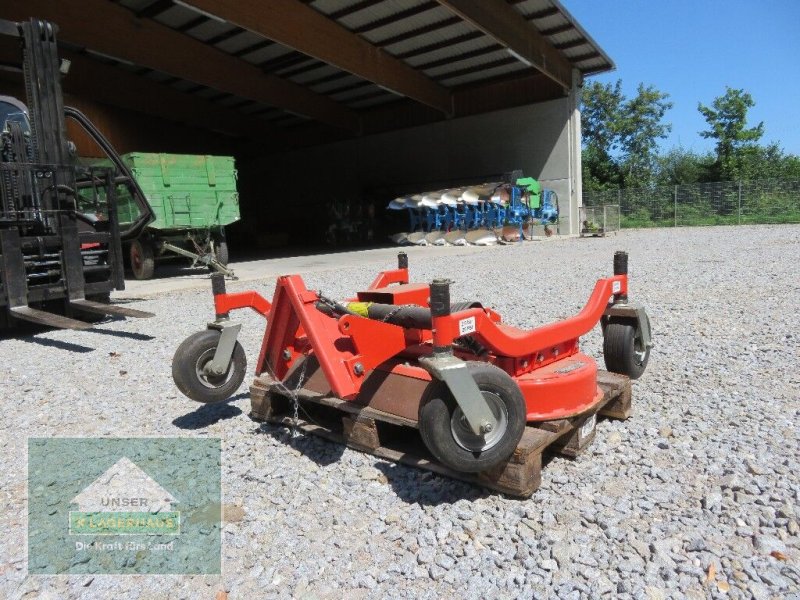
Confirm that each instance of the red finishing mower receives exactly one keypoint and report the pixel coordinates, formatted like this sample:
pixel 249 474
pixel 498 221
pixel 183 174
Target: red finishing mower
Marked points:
pixel 470 381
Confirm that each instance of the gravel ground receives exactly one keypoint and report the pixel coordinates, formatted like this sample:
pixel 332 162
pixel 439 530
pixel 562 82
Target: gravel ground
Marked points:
pixel 697 495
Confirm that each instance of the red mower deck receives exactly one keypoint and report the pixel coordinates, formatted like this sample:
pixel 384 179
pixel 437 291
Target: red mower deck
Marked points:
pixel 486 398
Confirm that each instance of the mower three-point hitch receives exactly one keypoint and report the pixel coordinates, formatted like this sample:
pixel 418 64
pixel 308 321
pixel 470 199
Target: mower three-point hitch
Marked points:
pixel 470 382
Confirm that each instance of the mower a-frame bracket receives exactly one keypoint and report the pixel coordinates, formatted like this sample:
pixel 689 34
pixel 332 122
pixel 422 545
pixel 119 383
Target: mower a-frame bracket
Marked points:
pixel 454 373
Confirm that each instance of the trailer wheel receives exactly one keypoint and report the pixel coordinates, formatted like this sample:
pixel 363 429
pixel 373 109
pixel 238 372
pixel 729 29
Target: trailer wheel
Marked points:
pixel 447 435
pixel 622 352
pixel 143 262
pixel 221 252
pixel 188 364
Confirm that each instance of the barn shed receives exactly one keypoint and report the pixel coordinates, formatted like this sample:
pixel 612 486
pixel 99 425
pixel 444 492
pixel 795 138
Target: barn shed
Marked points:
pixel 332 107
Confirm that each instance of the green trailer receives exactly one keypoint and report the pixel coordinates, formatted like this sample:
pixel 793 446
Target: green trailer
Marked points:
pixel 193 198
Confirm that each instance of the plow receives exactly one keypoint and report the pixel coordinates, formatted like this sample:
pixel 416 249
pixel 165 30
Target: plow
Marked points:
pixel 482 215
pixel 403 355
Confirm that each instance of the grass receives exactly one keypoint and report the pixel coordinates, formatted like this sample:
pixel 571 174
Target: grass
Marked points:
pixel 638 221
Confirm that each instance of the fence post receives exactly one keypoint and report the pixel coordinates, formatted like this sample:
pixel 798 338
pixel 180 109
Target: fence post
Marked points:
pixel 676 205
pixel 739 220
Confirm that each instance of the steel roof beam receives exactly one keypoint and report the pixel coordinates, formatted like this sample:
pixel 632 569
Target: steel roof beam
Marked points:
pixel 114 30
pixel 124 89
pixel 510 29
pixel 305 30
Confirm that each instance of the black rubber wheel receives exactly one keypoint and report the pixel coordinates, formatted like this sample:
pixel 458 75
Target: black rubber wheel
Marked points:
pixel 447 435
pixel 143 262
pixel 620 350
pixel 221 251
pixel 192 356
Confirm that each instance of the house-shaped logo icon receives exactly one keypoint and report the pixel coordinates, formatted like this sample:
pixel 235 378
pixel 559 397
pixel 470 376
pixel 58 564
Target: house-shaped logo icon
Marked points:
pixel 124 500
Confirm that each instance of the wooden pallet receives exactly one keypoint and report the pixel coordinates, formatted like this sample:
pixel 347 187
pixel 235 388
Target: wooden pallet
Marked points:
pixel 397 439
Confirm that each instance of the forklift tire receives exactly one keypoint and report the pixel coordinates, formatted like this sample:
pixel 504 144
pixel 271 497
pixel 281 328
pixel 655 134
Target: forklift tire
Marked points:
pixel 187 368
pixel 143 262
pixel 221 252
pixel 619 349
pixel 447 435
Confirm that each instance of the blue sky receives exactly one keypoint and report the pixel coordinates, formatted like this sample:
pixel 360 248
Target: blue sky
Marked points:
pixel 693 49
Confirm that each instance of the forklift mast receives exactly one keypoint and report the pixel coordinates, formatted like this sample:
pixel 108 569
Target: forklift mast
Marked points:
pixel 41 71
pixel 60 241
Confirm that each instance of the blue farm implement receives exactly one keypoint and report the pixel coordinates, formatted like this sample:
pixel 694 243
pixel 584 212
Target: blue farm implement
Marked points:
pixel 483 214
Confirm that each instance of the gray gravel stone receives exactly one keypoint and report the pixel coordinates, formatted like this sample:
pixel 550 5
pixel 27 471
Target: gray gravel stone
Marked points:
pixel 767 544
pixel 704 472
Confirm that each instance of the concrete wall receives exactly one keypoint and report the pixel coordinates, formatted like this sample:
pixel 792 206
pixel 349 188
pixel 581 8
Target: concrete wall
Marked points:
pixel 540 139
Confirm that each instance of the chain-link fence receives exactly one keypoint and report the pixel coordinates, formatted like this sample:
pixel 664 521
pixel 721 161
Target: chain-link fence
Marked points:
pixel 719 203
pixel 599 220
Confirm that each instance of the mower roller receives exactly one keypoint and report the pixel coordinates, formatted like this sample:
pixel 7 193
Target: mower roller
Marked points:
pixel 468 381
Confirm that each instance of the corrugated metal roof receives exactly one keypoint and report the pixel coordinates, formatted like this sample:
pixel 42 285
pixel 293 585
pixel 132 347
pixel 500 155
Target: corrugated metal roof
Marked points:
pixel 410 23
pixel 208 29
pixel 176 16
pixel 387 8
pixel 263 54
pixel 424 34
pixel 451 52
pixel 439 35
pixel 255 107
pixel 135 5
pixel 373 102
pixel 331 86
pixel 210 93
pixel 242 40
pixel 560 27
pixel 457 65
pixel 183 85
pixel 158 76
pixel 486 74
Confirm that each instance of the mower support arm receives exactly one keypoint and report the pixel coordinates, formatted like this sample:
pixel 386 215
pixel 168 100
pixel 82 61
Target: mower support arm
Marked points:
pixel 398 275
pixel 224 303
pixel 513 343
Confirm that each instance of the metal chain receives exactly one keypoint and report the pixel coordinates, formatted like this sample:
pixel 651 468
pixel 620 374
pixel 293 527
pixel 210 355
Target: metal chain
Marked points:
pixel 292 394
pixel 295 417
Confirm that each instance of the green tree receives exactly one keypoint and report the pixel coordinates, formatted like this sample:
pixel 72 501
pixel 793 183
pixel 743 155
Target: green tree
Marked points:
pixel 620 135
pixel 641 126
pixel 727 122
pixel 601 108
pixel 678 166
pixel 766 162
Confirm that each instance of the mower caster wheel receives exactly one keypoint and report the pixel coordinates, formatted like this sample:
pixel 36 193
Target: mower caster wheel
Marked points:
pixel 189 374
pixel 622 351
pixel 445 430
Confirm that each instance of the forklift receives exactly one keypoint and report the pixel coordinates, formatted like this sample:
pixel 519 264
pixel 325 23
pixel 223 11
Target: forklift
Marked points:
pixel 60 237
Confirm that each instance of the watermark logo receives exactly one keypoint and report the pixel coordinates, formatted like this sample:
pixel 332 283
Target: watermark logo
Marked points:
pixel 125 501
pixel 124 505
